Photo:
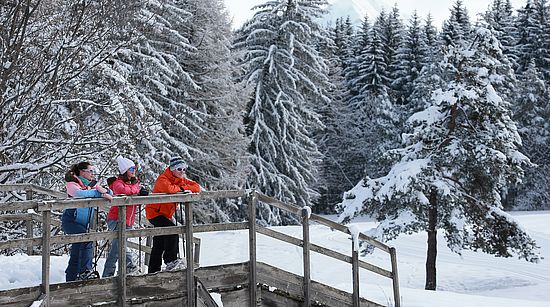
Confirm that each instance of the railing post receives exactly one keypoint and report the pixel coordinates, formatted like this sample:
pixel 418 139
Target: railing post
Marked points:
pixel 190 271
pixel 252 201
pixel 30 248
pixel 395 277
pixel 121 255
pixel 306 253
pixel 46 234
pixel 355 270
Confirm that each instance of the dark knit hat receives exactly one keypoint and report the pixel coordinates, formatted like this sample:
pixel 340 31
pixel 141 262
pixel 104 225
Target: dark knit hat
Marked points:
pixel 177 162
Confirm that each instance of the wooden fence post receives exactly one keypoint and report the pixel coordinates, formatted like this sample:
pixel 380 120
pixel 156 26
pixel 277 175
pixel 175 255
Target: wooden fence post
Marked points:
pixel 121 255
pixel 30 248
pixel 190 271
pixel 46 233
pixel 252 201
pixel 355 270
pixel 395 277
pixel 307 261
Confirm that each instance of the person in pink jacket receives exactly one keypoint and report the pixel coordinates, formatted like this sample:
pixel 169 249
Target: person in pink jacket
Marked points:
pixel 125 184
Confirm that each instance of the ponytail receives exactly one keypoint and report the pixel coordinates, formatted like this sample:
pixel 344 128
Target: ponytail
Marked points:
pixel 74 171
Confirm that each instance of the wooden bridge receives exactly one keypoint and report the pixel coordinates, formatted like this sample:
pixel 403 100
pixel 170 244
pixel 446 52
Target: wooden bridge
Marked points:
pixel 272 286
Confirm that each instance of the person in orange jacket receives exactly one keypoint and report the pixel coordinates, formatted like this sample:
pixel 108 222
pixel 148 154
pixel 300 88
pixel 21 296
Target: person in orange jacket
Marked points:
pixel 172 180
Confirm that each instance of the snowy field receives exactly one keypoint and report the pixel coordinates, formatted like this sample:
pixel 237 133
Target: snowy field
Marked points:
pixel 474 279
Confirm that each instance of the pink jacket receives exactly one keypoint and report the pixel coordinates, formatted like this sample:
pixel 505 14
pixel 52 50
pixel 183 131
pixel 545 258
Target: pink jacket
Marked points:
pixel 121 187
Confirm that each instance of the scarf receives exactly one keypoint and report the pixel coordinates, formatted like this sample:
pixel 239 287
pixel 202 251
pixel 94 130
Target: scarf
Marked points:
pixel 85 181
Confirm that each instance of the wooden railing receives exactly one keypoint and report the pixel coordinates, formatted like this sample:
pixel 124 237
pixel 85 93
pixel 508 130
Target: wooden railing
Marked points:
pixel 45 208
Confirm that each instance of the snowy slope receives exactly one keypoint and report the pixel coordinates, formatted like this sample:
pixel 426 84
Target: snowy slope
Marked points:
pixel 471 280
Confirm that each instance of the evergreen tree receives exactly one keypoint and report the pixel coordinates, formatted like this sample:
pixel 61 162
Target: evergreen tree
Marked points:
pixel 410 59
pixel 289 78
pixel 461 153
pixel 531 34
pixel 334 140
pixel 456 30
pixel 500 18
pixel 532 112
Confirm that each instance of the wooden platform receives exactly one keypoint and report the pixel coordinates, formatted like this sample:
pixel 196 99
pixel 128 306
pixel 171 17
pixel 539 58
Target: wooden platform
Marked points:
pixel 275 288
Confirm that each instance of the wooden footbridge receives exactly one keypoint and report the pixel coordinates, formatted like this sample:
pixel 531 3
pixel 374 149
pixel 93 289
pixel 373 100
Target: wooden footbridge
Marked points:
pixel 271 286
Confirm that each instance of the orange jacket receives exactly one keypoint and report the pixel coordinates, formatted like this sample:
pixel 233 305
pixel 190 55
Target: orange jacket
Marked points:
pixel 167 183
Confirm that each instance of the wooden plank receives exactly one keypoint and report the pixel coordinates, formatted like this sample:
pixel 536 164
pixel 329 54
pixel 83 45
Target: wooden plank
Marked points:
pixel 355 273
pixel 190 271
pixel 252 201
pixel 395 279
pixel 16 217
pixel 306 258
pixel 20 243
pixel 238 297
pixel 224 277
pixel 29 225
pixel 19 205
pixel 324 221
pixel 322 250
pixel 20 297
pixel 275 297
pixel 319 219
pixel 278 204
pixel 292 284
pixel 122 257
pixel 220 227
pixel 139 200
pixel 204 299
pixel 46 232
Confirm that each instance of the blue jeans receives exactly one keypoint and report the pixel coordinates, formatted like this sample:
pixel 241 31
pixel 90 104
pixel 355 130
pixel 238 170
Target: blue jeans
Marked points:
pixel 80 259
pixel 112 258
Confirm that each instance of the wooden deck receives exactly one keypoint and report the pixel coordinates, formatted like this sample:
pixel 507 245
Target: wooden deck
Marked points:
pixel 273 286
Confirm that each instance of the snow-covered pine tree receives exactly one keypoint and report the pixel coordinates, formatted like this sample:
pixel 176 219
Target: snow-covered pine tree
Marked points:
pixel 360 60
pixel 333 141
pixel 391 33
pixel 532 36
pixel 223 161
pixel 154 68
pixel 499 16
pixel 409 61
pixel 289 78
pixel 461 153
pixel 457 28
pixel 532 111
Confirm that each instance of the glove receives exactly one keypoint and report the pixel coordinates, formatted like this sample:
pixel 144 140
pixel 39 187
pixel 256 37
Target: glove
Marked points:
pixel 143 191
pixel 184 191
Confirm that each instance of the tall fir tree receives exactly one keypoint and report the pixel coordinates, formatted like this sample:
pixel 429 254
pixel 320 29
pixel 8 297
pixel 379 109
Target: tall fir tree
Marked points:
pixel 289 78
pixel 461 153
pixel 410 59
pixel 532 112
pixel 456 30
pixel 499 16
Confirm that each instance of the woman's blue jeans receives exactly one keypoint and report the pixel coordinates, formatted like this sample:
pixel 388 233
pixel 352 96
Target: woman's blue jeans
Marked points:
pixel 80 259
pixel 112 258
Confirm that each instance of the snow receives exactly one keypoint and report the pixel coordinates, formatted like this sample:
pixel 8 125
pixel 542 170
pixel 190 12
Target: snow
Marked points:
pixel 470 279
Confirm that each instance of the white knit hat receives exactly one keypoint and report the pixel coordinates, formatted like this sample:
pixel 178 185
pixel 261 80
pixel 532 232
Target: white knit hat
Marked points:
pixel 124 164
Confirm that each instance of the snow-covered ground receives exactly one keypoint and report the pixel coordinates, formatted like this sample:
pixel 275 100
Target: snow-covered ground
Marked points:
pixel 474 279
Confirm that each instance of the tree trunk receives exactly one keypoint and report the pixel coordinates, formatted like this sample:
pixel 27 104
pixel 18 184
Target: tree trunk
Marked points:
pixel 432 243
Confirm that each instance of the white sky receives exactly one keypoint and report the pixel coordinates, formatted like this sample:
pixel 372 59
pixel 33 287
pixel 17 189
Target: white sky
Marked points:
pixel 241 9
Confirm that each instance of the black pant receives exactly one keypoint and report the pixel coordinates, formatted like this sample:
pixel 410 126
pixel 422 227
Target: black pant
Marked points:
pixel 164 247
